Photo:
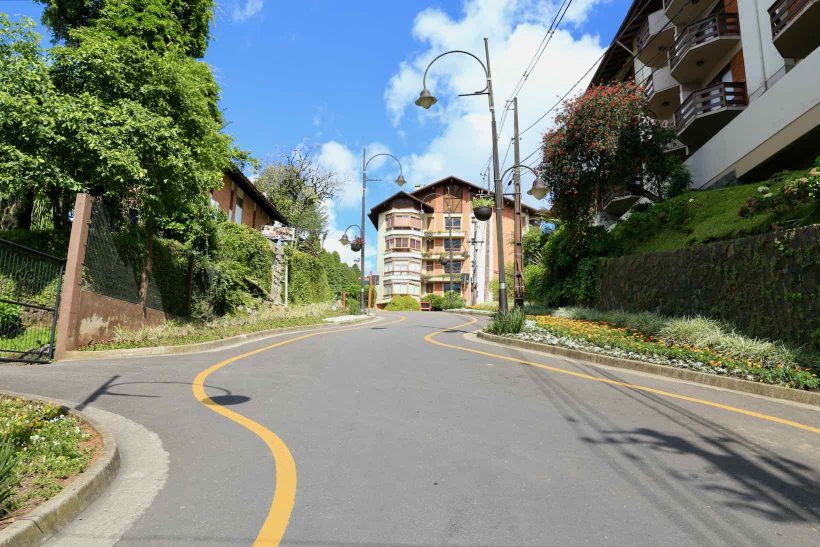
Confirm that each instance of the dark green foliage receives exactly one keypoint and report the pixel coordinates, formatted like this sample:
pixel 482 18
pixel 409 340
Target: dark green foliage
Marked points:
pixel 440 302
pixel 160 24
pixel 249 249
pixel 511 322
pixel 340 276
pixel 307 278
pixel 749 283
pixel 570 264
pixel 8 478
pixel 533 276
pixel 11 324
pixel 402 303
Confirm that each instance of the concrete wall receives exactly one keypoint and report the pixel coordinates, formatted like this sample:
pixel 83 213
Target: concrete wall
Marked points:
pixel 100 316
pixel 763 62
pixel 786 112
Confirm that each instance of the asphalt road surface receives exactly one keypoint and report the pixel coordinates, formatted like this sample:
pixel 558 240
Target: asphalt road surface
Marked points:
pixel 390 433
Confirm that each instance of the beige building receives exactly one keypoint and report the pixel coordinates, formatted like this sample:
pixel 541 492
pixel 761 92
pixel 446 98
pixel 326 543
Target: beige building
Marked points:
pixel 415 230
pixel 739 80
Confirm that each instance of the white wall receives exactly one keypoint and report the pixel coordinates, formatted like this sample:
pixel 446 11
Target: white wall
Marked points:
pixel 764 65
pixel 787 111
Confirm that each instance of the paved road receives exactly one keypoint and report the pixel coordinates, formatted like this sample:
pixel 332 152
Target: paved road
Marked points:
pixel 398 441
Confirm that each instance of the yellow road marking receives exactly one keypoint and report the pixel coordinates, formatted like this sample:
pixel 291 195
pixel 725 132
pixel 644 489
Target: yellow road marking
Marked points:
pixel 759 415
pixel 284 493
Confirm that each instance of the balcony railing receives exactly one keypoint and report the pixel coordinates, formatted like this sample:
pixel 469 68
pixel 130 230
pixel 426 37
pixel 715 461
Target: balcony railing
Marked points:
pixel 783 12
pixel 703 31
pixel 643 36
pixel 723 97
pixel 794 27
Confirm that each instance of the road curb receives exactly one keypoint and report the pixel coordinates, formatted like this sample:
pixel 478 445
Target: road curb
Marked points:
pixel 212 345
pixel 470 312
pixel 724 382
pixel 45 520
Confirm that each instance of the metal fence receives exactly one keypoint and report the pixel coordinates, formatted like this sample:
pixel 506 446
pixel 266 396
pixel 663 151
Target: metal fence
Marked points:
pixel 179 279
pixel 30 284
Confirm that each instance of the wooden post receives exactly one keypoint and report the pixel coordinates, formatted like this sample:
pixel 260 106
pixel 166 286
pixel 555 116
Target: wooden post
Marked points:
pixel 370 291
pixel 68 323
pixel 344 299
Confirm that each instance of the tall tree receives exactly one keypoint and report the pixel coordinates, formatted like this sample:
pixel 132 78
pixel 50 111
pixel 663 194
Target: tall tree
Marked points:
pixel 300 188
pixel 606 139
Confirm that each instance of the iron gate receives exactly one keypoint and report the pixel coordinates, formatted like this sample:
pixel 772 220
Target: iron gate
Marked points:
pixel 30 285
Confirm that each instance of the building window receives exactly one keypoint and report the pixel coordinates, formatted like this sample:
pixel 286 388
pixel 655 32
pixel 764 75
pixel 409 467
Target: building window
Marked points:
pixel 455 287
pixel 452 267
pixel 452 222
pixel 454 244
pixel 395 288
pixel 403 221
pixel 402 266
pixel 402 244
pixel 237 210
pixel 429 266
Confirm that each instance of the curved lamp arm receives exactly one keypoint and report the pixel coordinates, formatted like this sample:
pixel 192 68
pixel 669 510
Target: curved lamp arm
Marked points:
pixel 384 154
pixel 508 169
pixel 352 226
pixel 450 208
pixel 424 79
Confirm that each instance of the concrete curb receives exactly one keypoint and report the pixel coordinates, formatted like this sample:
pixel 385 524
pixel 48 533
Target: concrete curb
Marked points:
pixel 470 312
pixel 44 521
pixel 724 382
pixel 213 345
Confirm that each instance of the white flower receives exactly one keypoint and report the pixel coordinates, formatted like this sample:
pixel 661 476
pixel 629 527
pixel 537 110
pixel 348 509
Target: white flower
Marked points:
pixel 762 189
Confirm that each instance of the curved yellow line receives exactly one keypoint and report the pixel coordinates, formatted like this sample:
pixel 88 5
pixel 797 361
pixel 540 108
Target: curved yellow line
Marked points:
pixel 751 413
pixel 284 493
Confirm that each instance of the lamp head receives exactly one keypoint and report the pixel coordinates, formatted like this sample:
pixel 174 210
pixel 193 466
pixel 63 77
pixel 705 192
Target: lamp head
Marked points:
pixel 539 189
pixel 400 180
pixel 345 241
pixel 426 99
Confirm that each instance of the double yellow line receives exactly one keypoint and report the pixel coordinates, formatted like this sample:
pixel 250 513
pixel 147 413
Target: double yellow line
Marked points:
pixel 751 413
pixel 284 492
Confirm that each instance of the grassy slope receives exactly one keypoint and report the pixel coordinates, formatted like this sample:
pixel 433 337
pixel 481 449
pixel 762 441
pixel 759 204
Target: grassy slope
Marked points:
pixel 713 216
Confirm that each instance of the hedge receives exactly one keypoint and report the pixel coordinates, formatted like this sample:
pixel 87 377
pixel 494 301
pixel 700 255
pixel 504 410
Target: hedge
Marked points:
pixel 307 280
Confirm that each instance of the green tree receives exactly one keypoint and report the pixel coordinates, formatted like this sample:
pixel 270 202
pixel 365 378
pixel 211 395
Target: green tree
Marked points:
pixel 300 188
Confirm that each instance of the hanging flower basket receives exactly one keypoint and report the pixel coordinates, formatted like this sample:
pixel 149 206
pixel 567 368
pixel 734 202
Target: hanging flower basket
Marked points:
pixel 356 245
pixel 482 206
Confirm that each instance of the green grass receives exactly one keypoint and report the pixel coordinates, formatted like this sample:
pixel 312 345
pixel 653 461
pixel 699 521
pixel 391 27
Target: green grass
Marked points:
pixel 174 333
pixel 712 215
pixel 24 341
pixel 50 447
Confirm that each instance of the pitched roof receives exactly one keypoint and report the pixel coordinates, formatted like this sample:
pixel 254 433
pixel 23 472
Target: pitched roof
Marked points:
pixel 616 55
pixel 472 187
pixel 258 197
pixel 422 192
pixel 373 215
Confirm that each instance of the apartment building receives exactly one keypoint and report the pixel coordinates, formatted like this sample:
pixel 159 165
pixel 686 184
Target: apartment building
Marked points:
pixel 418 232
pixel 739 80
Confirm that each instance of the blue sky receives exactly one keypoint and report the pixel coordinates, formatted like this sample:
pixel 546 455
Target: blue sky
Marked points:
pixel 343 75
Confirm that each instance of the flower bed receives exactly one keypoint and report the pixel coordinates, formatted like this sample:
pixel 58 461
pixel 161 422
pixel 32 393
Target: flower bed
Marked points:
pixel 48 447
pixel 600 337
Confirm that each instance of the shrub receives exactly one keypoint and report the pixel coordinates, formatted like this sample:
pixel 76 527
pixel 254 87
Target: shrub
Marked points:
pixel 8 478
pixel 448 303
pixel 477 202
pixel 533 273
pixel 307 278
pixel 246 250
pixel 402 303
pixel 11 324
pixel 435 301
pixel 511 322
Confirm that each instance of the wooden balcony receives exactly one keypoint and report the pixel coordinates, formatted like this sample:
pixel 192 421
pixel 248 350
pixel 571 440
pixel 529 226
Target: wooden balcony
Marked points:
pixel 682 12
pixel 662 93
pixel 703 47
pixel 654 40
pixel 795 26
pixel 707 111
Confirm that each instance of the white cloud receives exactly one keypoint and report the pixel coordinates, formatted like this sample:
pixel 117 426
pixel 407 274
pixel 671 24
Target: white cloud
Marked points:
pixel 515 29
pixel 249 9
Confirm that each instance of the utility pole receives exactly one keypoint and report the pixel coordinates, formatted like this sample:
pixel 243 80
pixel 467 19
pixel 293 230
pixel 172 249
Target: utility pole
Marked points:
pixel 517 228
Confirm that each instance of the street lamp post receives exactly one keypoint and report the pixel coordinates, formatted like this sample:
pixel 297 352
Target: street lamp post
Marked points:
pixel 399 181
pixel 426 100
pixel 538 191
